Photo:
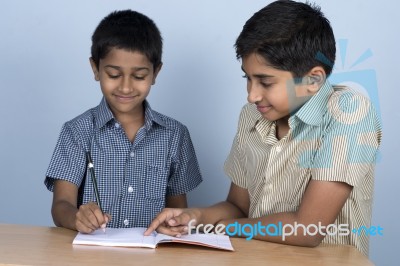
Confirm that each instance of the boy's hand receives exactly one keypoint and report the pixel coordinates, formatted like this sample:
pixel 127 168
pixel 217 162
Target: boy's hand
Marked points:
pixel 90 218
pixel 174 222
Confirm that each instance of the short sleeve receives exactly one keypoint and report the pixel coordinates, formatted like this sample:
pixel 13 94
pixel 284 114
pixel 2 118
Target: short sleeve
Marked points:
pixel 185 172
pixel 234 166
pixel 350 142
pixel 68 161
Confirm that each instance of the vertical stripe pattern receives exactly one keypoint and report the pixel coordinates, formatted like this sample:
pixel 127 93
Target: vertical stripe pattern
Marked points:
pixel 333 137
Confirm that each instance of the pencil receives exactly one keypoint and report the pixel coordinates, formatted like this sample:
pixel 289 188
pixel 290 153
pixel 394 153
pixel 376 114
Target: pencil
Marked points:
pixel 93 177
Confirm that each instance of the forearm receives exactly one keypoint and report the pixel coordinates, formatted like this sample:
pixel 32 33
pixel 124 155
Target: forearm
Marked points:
pixel 64 214
pixel 176 201
pixel 220 211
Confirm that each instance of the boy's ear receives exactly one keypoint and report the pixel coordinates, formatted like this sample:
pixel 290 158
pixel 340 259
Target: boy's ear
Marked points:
pixel 156 71
pixel 94 68
pixel 315 79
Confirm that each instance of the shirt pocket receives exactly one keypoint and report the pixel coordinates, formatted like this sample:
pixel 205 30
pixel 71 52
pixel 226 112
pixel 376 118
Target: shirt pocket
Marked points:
pixel 153 183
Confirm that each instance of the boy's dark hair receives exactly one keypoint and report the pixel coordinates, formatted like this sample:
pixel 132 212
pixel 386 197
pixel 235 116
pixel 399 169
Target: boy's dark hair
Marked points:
pixel 291 36
pixel 129 30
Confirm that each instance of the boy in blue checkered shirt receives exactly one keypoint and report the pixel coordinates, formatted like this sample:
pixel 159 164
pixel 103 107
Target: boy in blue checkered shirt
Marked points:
pixel 143 160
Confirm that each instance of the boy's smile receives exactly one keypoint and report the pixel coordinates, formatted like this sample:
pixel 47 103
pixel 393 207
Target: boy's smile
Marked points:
pixel 125 79
pixel 264 109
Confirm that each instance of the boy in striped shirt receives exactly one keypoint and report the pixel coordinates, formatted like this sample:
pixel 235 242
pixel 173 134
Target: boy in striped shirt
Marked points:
pixel 304 153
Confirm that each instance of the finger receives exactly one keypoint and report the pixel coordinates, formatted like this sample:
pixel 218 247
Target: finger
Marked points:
pixel 98 218
pixel 177 231
pixel 155 224
pixel 81 218
pixel 182 229
pixel 165 215
pixel 182 219
pixel 90 215
pixel 83 228
pixel 107 219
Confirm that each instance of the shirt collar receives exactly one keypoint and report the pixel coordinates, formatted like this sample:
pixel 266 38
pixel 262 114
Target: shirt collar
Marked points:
pixel 313 110
pixel 104 115
pixel 151 116
pixel 262 125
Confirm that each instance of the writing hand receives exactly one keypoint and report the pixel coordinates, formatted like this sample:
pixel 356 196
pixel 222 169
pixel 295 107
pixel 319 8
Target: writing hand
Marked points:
pixel 90 218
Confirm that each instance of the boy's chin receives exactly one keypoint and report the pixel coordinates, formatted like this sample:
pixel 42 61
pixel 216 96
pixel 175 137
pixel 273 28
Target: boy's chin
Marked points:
pixel 275 117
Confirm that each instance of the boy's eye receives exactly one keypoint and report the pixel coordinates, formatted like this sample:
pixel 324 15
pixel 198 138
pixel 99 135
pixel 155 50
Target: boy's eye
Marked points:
pixel 113 76
pixel 266 85
pixel 118 76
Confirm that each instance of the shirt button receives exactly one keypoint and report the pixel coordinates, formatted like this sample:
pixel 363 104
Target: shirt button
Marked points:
pixel 270 186
pixel 117 125
pixel 132 154
pixel 278 149
pixel 130 189
pixel 126 222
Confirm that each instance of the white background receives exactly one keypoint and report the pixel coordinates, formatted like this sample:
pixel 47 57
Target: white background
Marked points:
pixel 45 80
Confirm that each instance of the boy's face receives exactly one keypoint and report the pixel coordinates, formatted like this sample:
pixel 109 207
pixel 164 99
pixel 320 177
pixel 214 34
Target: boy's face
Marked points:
pixel 125 80
pixel 272 90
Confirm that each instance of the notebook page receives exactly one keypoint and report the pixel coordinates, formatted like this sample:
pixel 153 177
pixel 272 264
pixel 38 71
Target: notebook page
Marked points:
pixel 116 237
pixel 208 240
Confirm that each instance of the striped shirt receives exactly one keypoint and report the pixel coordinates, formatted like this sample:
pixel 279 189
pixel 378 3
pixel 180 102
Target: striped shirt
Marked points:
pixel 133 178
pixel 332 137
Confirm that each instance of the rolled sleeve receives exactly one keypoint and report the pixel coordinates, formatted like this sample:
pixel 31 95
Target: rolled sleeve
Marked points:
pixel 234 167
pixel 68 159
pixel 235 164
pixel 185 174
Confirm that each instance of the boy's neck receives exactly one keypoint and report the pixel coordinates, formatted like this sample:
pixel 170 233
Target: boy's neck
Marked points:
pixel 131 120
pixel 282 127
pixel 131 123
pixel 133 117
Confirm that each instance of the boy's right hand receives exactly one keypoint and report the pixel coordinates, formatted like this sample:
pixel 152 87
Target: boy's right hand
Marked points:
pixel 174 221
pixel 90 218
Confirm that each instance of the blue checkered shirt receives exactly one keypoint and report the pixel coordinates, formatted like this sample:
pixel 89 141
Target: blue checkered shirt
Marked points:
pixel 133 178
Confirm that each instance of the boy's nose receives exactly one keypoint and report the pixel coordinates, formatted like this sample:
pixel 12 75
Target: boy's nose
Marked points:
pixel 126 85
pixel 253 94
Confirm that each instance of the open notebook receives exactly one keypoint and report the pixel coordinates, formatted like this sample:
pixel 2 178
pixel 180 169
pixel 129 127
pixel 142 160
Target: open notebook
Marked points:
pixel 133 237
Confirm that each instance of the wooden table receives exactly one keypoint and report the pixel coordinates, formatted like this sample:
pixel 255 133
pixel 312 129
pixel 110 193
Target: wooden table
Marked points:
pixel 34 245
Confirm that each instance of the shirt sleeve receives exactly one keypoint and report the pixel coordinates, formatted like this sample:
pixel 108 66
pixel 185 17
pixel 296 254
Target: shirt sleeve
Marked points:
pixel 234 166
pixel 185 174
pixel 68 161
pixel 350 143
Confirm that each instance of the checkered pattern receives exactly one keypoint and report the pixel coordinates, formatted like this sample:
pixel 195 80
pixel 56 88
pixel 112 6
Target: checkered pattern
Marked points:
pixel 133 178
